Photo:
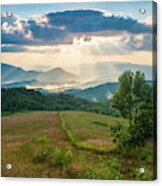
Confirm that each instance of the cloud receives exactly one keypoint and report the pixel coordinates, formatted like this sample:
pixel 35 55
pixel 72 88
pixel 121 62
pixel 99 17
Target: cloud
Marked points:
pixel 12 48
pixel 15 30
pixel 62 27
pixel 44 49
pixel 93 21
pixel 140 42
pixel 114 45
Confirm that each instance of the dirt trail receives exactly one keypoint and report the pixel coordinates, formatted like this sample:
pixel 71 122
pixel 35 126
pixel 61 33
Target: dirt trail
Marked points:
pixel 56 133
pixel 19 129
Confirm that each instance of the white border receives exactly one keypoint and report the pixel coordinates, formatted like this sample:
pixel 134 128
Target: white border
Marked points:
pixel 59 1
pixel 53 182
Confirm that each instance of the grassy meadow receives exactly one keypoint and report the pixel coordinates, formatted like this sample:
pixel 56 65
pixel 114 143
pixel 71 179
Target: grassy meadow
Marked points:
pixel 69 144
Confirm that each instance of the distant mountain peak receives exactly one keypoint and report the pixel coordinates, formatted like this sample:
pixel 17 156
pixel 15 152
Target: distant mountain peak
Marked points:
pixel 56 69
pixel 57 75
pixel 11 73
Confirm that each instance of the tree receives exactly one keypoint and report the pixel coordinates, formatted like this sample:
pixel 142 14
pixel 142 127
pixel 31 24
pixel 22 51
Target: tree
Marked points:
pixel 123 99
pixel 139 91
pixel 134 99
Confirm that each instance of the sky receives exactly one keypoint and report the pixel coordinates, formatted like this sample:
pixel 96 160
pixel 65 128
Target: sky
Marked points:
pixel 70 35
pixel 28 10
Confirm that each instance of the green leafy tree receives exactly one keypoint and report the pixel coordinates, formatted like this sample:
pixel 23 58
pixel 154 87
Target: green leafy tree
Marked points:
pixel 134 99
pixel 123 99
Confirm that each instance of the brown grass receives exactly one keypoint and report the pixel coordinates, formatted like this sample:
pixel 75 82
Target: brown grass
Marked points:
pixel 17 131
pixel 19 148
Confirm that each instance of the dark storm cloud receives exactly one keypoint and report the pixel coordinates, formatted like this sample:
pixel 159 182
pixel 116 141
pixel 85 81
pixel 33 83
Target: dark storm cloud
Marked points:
pixel 60 27
pixel 95 21
pixel 15 38
pixel 47 34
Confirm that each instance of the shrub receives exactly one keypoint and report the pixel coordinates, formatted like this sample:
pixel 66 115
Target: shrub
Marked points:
pixel 56 158
pixel 41 155
pixel 68 157
pixel 60 158
pixel 120 135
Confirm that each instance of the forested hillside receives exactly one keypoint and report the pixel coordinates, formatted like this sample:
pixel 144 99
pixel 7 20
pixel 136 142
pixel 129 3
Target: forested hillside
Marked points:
pixel 19 99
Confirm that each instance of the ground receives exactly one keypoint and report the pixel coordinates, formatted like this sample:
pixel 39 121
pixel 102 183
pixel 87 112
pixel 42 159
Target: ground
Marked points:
pixel 69 144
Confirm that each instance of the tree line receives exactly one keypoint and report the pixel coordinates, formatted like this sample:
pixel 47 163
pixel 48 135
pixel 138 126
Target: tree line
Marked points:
pixel 21 99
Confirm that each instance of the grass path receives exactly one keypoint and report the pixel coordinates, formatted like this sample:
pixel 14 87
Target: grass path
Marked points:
pixel 77 142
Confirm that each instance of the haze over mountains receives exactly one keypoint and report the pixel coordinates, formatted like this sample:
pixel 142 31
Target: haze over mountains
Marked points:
pixel 12 76
pixel 16 74
pixel 57 75
pixel 94 82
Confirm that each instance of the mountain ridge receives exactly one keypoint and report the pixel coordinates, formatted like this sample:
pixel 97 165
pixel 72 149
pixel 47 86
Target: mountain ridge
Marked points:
pixel 14 74
pixel 58 74
pixel 58 80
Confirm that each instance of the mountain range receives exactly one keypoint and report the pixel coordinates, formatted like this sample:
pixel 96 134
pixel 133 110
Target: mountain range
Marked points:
pixel 11 73
pixel 96 88
pixel 14 76
pixel 96 93
pixel 56 75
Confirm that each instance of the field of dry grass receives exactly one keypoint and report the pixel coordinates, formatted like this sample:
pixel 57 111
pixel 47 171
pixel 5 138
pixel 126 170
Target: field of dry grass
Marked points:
pixel 39 144
pixel 18 148
pixel 91 131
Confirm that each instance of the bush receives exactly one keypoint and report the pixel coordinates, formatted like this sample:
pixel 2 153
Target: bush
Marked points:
pixel 56 158
pixel 60 158
pixel 120 135
pixel 41 155
pixel 68 157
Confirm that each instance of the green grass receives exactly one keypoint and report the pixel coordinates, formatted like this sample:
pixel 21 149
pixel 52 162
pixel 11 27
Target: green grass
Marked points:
pixel 7 113
pixel 41 139
pixel 100 123
pixel 108 169
pixel 69 145
pixel 60 158
pixel 90 131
